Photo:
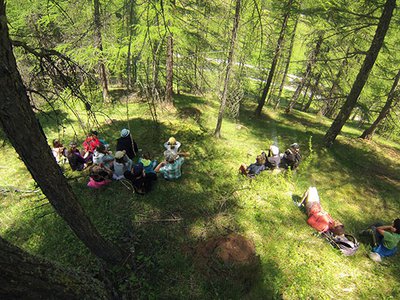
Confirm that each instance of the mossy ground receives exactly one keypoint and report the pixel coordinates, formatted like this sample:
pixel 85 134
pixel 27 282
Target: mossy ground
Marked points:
pixel 358 182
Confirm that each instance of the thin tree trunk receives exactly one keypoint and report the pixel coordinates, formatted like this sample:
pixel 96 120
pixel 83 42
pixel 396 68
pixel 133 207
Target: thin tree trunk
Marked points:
pixel 170 69
pixel 217 131
pixel 305 79
pixel 26 135
pixel 129 54
pixel 98 44
pixel 24 276
pixel 329 107
pixel 369 132
pixel 275 59
pixel 313 91
pixel 292 39
pixel 363 74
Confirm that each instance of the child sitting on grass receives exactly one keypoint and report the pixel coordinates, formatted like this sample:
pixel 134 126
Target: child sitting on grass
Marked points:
pixel 99 176
pixel 141 181
pixel 384 239
pixel 171 166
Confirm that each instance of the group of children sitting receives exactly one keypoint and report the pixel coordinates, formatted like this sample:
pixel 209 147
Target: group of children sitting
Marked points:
pixel 290 159
pixel 106 166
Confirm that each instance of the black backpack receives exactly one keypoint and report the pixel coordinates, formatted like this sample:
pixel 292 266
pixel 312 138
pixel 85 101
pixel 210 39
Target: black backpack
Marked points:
pixel 347 244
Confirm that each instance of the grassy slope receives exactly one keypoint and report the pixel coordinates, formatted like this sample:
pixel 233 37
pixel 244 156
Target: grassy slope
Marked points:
pixel 358 182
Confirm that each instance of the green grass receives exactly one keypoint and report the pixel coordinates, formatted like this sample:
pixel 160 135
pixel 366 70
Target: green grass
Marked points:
pixel 358 182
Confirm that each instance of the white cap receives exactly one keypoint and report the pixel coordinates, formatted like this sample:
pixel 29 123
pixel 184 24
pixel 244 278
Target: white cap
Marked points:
pixel 124 132
pixel 274 150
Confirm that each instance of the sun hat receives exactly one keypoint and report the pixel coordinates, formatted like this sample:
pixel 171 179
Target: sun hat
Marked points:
pixel 171 141
pixel 120 154
pixel 274 150
pixel 125 132
pixel 169 155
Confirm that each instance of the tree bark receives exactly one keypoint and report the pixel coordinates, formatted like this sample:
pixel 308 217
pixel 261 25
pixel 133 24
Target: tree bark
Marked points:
pixel 305 78
pixel 170 69
pixel 287 63
pixel 369 132
pixel 98 44
pixel 363 74
pixel 26 135
pixel 314 88
pixel 24 276
pixel 217 131
pixel 275 59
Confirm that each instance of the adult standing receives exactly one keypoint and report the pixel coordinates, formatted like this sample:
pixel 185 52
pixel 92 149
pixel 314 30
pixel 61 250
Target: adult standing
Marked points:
pixel 125 142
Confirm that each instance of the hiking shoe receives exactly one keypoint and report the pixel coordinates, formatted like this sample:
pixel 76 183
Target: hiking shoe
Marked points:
pixel 375 257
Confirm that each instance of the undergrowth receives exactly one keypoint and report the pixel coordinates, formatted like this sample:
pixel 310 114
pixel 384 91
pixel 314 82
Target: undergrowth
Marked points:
pixel 358 183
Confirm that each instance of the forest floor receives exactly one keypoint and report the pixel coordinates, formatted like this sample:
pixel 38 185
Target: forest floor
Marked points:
pixel 212 206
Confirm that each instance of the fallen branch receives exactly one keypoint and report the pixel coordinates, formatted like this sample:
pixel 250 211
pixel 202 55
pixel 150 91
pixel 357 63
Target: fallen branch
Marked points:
pixel 158 220
pixel 5 190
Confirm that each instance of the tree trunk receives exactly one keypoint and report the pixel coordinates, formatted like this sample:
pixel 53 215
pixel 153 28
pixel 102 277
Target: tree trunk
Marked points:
pixel 305 79
pixel 98 44
pixel 170 69
pixel 24 276
pixel 129 83
pixel 26 135
pixel 329 107
pixel 369 132
pixel 363 74
pixel 275 59
pixel 287 63
pixel 217 131
pixel 313 91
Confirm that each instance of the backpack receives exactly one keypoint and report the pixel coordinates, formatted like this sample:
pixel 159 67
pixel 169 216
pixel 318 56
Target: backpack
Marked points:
pixel 347 244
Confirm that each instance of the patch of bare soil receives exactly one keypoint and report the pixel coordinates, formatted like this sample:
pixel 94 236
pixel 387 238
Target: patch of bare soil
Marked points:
pixel 232 257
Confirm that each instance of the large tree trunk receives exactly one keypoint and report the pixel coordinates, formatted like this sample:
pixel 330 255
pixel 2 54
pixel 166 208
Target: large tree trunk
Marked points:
pixel 287 63
pixel 98 44
pixel 217 131
pixel 369 132
pixel 25 134
pixel 363 74
pixel 307 74
pixel 24 276
pixel 275 59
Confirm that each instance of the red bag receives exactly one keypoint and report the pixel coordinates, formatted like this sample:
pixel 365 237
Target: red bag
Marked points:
pixel 320 221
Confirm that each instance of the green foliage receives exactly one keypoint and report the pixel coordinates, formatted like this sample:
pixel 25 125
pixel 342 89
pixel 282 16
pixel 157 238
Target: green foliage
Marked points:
pixel 211 199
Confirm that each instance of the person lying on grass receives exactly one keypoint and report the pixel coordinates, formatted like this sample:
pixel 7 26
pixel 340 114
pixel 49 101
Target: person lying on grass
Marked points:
pixel 384 239
pixel 255 168
pixel 171 166
pixel 291 158
pixel 319 219
pixel 141 181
